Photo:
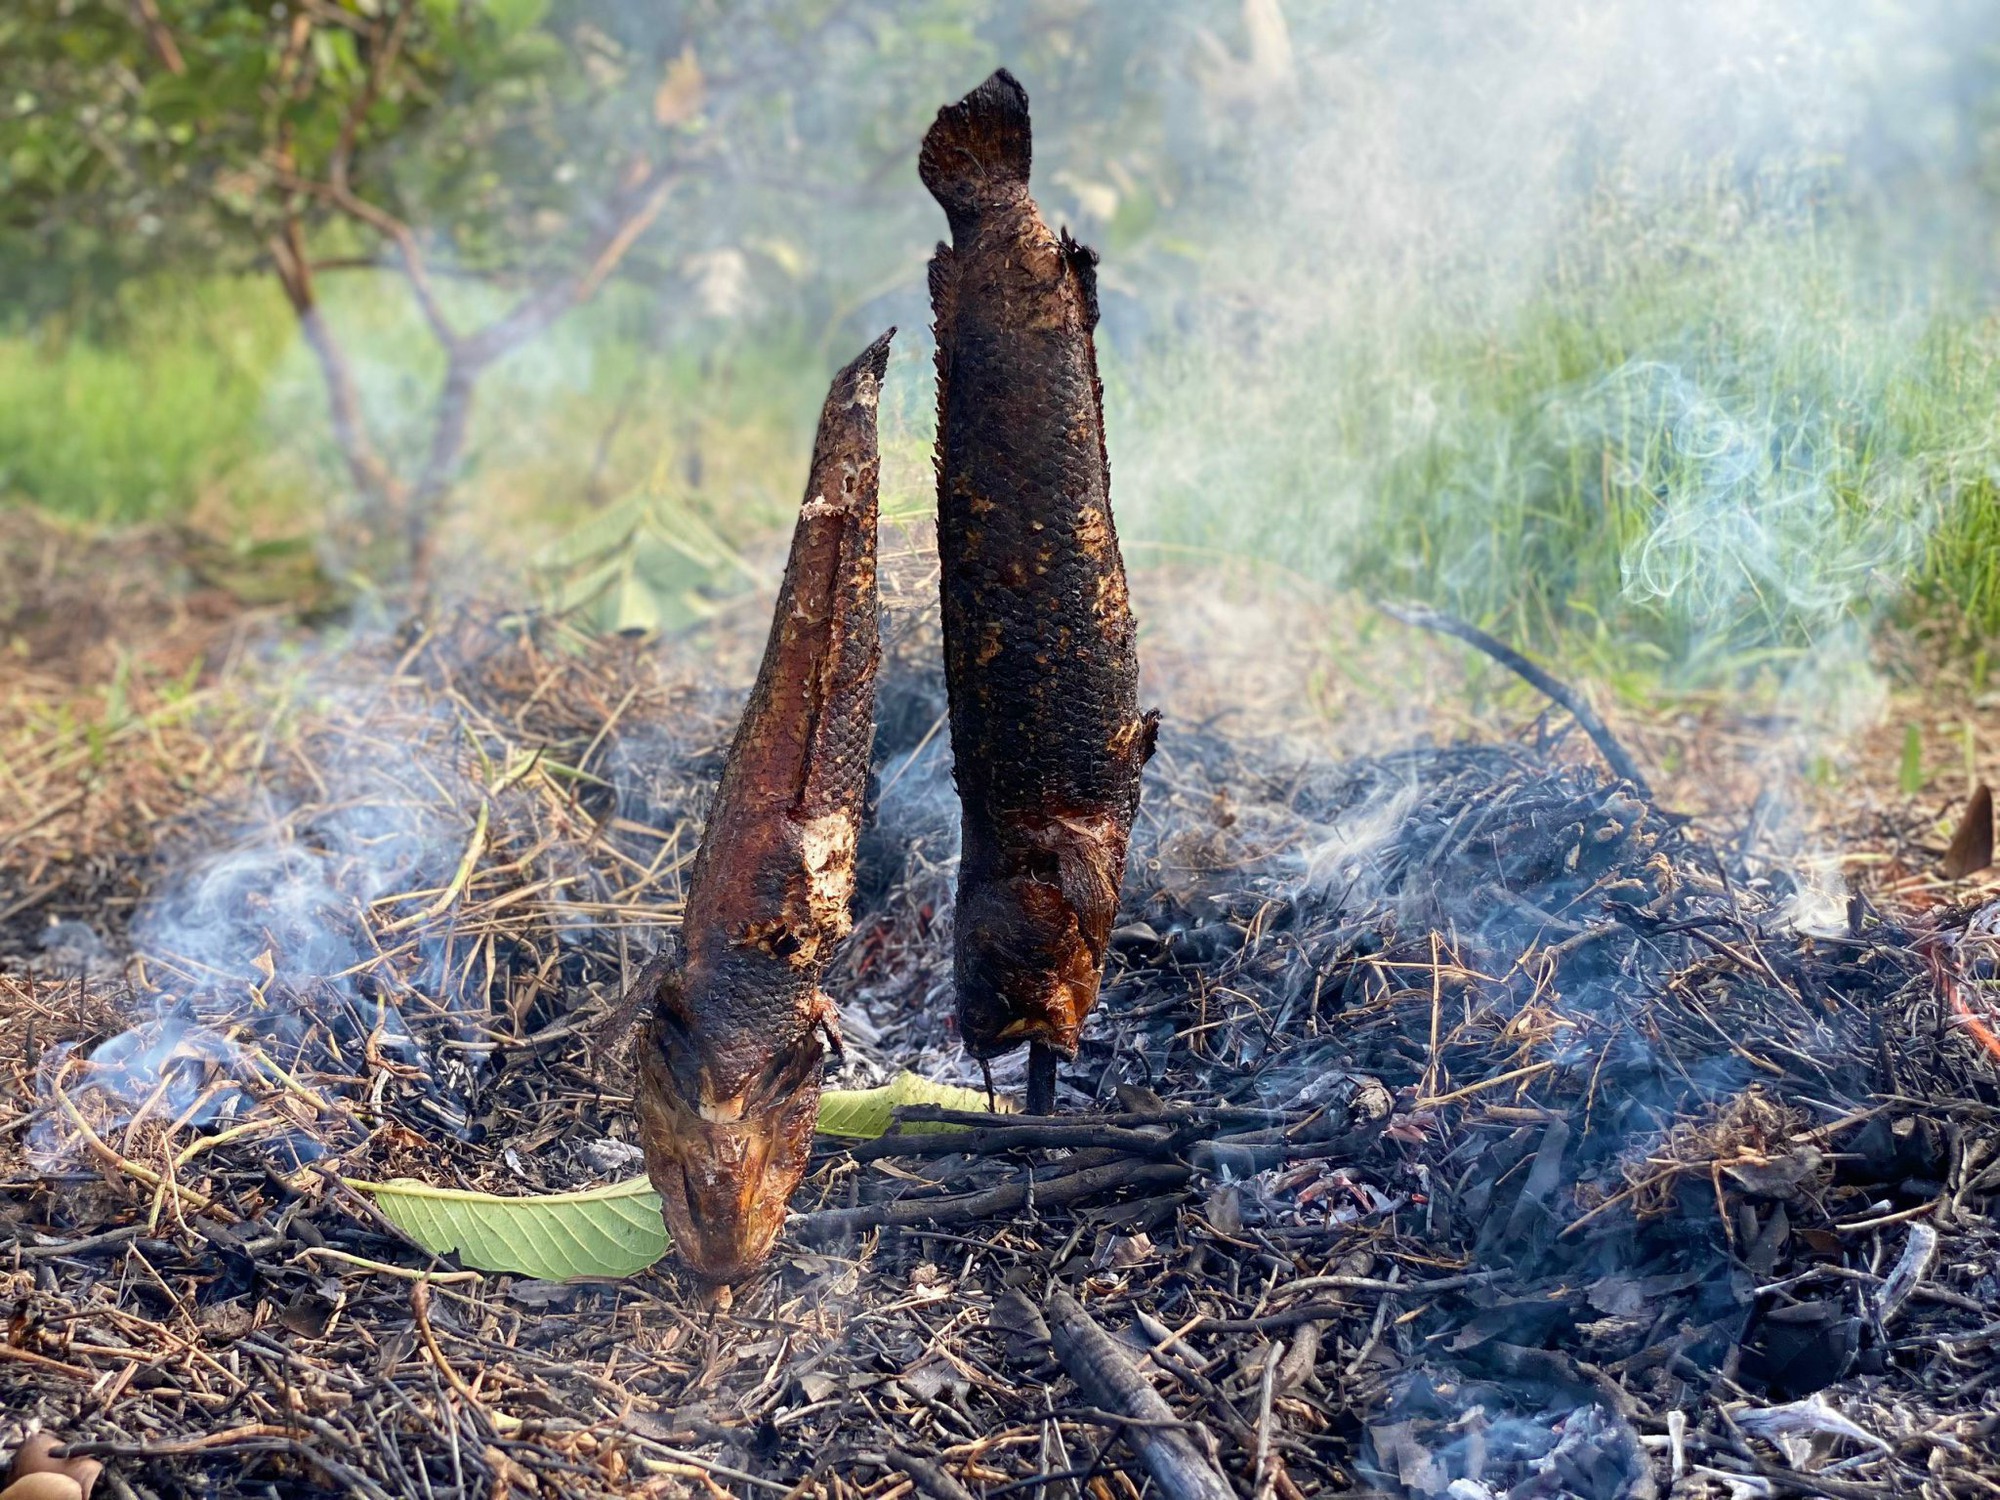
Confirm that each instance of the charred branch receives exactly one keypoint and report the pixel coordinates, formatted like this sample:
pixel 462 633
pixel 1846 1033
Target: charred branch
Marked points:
pixel 1615 755
pixel 1107 1379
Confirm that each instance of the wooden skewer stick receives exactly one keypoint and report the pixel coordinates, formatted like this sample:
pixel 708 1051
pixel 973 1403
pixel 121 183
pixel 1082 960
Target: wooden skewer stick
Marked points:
pixel 1041 1098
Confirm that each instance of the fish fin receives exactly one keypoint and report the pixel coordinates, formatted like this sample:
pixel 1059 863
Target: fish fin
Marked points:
pixel 658 983
pixel 979 150
pixel 944 292
pixel 1087 860
pixel 944 315
pixel 826 1017
pixel 669 1042
pixel 1149 734
pixel 1082 263
pixel 841 700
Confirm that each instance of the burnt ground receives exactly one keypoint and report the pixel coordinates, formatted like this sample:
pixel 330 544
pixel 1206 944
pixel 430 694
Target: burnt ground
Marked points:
pixel 1454 1122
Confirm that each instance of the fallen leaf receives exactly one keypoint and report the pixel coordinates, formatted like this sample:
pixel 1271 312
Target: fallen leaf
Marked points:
pixel 1972 844
pixel 682 91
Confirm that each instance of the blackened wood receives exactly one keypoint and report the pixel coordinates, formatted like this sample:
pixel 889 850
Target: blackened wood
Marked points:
pixel 1041 1098
pixel 1080 1136
pixel 1615 755
pixel 968 1208
pixel 1107 1378
pixel 928 1477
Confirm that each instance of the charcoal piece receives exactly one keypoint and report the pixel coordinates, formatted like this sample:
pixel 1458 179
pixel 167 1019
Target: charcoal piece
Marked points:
pixel 1514 1320
pixel 1795 1350
pixel 1531 1225
pixel 1025 1332
pixel 1761 1255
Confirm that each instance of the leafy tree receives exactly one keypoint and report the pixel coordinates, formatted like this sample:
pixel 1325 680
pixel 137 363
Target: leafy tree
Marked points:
pixel 509 157
pixel 532 145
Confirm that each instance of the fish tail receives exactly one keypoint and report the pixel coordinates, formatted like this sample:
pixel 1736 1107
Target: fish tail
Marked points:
pixel 854 381
pixel 1082 263
pixel 979 150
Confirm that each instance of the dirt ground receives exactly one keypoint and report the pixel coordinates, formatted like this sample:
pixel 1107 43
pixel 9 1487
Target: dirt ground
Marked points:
pixel 1454 1116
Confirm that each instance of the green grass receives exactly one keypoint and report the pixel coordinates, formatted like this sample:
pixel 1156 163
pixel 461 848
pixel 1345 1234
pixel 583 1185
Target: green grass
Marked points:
pixel 207 404
pixel 1694 467
pixel 169 417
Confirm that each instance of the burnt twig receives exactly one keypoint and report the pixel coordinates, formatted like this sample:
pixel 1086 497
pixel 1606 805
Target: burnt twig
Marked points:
pixel 1085 1136
pixel 928 1477
pixel 1108 1379
pixel 1615 755
pixel 969 1208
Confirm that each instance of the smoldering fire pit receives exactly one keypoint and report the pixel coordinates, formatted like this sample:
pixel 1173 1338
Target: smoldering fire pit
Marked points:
pixel 1455 1123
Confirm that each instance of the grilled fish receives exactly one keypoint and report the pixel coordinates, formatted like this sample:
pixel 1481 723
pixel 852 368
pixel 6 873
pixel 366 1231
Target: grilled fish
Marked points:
pixel 1041 664
pixel 737 1025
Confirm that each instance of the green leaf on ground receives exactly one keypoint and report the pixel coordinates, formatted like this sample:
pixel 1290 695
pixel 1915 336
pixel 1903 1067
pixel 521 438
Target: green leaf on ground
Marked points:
pixel 608 1231
pixel 864 1114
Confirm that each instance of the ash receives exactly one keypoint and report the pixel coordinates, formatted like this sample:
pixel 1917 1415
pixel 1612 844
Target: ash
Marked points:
pixel 1453 1123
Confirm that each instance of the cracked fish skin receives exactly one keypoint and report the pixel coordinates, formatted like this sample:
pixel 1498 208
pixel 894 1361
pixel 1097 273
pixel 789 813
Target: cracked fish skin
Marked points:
pixel 1041 661
pixel 734 1042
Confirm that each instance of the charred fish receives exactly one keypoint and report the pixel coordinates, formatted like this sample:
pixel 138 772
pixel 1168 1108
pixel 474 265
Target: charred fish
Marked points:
pixel 1041 665
pixel 737 1025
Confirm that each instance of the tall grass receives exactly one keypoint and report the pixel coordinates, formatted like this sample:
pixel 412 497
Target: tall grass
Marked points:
pixel 1692 464
pixel 146 427
pixel 1701 455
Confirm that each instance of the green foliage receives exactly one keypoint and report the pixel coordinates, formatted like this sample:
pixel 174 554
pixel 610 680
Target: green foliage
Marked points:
pixel 1690 446
pixel 142 428
pixel 612 1231
pixel 865 1114
pixel 500 130
pixel 130 146
pixel 646 563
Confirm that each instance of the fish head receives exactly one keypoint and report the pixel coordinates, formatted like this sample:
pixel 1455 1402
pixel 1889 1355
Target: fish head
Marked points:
pixel 1024 971
pixel 726 1138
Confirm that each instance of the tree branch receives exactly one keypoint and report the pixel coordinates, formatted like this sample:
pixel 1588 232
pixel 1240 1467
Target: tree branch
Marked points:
pixel 529 317
pixel 339 186
pixel 162 39
pixel 504 275
pixel 350 433
pixel 542 307
pixel 466 356
pixel 386 51
pixel 415 271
